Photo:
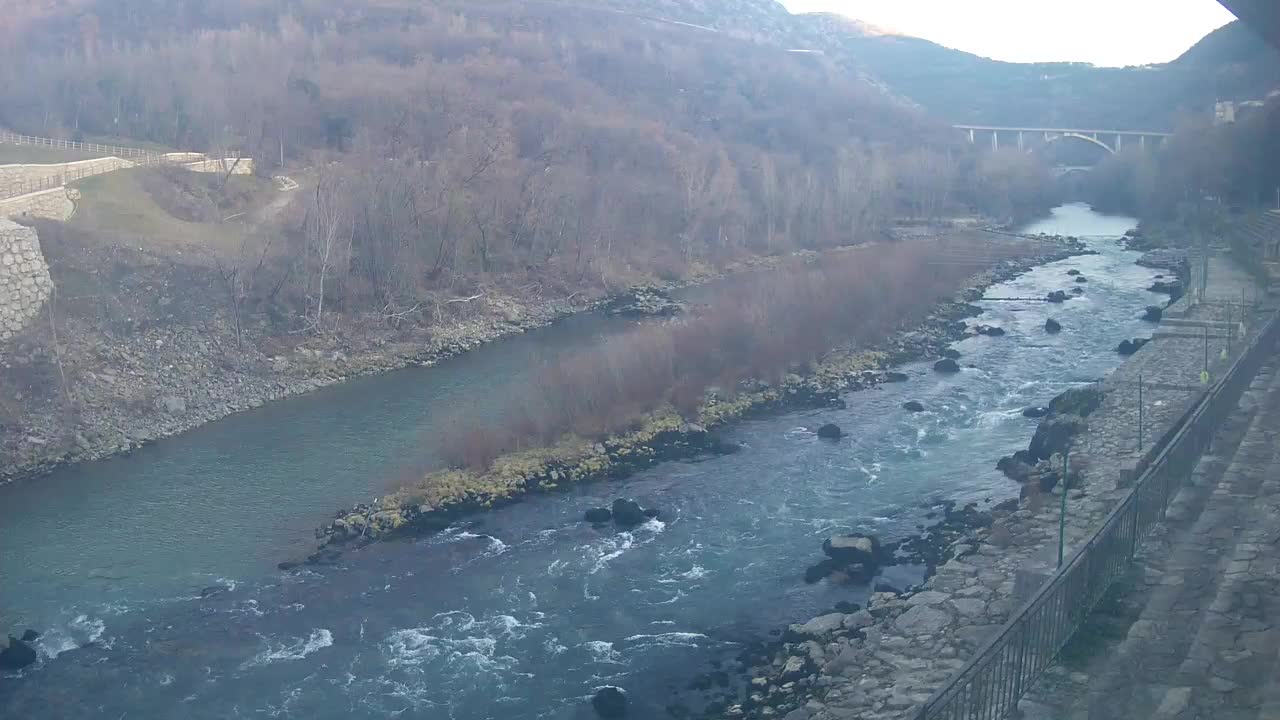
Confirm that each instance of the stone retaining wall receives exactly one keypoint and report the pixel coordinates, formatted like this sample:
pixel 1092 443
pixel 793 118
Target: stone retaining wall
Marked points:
pixel 53 204
pixel 20 179
pixel 24 278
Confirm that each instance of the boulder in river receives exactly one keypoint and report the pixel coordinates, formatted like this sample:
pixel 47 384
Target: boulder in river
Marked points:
pixel 643 302
pixel 1037 411
pixel 1153 313
pixel 1077 291
pixel 598 515
pixel 864 549
pixel 1081 279
pixel 1055 435
pixel 821 569
pixel 30 636
pixel 1172 288
pixel 1014 468
pixel 610 701
pixel 1077 401
pixel 1052 326
pixel 989 330
pixel 1057 296
pixel 946 365
pixel 17 656
pixel 895 377
pixel 830 431
pixel 1129 347
pixel 1073 271
pixel 951 353
pixel 913 406
pixel 628 513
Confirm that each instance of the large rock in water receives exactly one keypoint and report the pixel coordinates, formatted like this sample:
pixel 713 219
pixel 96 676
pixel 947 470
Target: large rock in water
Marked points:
pixel 1014 469
pixel 1052 326
pixel 1153 313
pixel 17 656
pixel 989 330
pixel 913 406
pixel 610 702
pixel 1078 401
pixel 864 549
pixel 628 513
pixel 1055 435
pixel 643 302
pixel 1129 347
pixel 830 431
pixel 947 365
pixel 598 515
pixel 1035 412
pixel 1057 296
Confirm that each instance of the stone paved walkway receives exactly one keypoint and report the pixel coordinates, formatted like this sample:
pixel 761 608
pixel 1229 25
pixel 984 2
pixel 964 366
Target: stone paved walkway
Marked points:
pixel 1202 639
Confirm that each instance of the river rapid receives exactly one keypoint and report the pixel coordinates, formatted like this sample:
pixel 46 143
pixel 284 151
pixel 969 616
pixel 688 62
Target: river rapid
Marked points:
pixel 151 575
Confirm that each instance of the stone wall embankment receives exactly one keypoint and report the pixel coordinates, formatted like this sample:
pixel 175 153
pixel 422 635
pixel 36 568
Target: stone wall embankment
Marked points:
pixel 52 204
pixel 23 179
pixel 24 278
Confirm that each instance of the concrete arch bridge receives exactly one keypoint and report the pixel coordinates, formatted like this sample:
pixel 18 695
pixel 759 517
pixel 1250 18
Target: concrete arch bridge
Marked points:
pixel 1028 139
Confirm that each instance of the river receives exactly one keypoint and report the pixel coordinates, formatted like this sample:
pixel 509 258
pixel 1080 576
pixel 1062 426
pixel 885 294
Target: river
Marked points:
pixel 520 613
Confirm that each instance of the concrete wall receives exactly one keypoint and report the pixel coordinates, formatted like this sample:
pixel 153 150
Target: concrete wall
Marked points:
pixel 52 204
pixel 24 278
pixel 21 179
pixel 245 166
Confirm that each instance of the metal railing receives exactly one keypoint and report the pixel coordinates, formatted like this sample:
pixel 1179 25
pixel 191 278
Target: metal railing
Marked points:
pixel 117 150
pixel 990 684
pixel 56 180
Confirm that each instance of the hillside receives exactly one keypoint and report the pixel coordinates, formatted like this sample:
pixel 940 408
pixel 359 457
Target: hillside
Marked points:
pixel 1231 63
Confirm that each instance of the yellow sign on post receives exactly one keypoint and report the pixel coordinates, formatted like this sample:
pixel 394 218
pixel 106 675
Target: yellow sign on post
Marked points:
pixel 1204 376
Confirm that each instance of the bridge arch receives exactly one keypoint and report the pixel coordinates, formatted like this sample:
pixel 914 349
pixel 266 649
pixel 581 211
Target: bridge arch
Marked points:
pixel 1078 136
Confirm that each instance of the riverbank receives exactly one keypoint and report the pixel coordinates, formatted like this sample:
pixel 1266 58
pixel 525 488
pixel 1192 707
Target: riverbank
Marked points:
pixel 149 351
pixel 884 662
pixel 443 496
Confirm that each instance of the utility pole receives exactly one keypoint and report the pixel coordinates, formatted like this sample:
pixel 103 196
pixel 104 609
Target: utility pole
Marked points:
pixel 1204 246
pixel 1062 510
pixel 1139 413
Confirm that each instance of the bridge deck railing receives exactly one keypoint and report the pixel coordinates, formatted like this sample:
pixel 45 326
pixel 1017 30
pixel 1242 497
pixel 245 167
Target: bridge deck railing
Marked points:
pixel 992 682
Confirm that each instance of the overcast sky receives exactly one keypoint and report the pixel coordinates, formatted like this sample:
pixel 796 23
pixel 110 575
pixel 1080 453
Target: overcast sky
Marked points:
pixel 1103 32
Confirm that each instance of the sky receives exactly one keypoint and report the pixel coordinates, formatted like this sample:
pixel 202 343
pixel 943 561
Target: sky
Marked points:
pixel 1102 32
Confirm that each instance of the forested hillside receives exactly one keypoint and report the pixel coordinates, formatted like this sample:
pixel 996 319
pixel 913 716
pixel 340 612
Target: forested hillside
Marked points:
pixel 452 140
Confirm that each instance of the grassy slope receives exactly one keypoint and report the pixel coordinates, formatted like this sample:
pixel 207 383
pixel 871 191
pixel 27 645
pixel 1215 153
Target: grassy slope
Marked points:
pixel 35 154
pixel 117 204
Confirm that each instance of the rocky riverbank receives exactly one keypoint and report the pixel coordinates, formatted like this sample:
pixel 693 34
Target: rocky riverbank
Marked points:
pixel 149 350
pixel 442 496
pixel 884 661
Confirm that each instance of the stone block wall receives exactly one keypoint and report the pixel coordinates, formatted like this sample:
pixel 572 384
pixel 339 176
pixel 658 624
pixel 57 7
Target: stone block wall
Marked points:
pixel 20 179
pixel 53 204
pixel 24 278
